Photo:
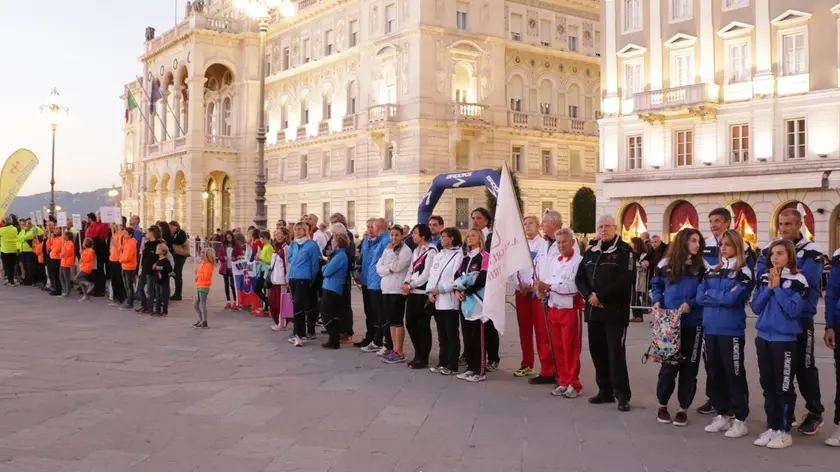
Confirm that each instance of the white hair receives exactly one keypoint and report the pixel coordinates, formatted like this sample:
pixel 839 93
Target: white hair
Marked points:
pixel 338 228
pixel 553 216
pixel 568 232
pixel 604 218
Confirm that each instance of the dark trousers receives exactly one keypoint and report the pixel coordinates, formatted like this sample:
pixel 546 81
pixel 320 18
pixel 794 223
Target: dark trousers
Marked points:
pixel 54 266
pixel 115 273
pixel 606 346
pixel 128 277
pixel 146 289
pixel 302 302
pixel 449 345
pixel 474 350
pixel 9 266
pixel 725 360
pixel 691 346
pixel 807 375
pixel 178 274
pixel 332 315
pixel 230 286
pixel 491 342
pixel 345 324
pixel 370 313
pixel 40 274
pixel 27 259
pixel 161 296
pixel 837 381
pixel 98 275
pixel 418 322
pixel 259 288
pixel 776 364
pixel 382 328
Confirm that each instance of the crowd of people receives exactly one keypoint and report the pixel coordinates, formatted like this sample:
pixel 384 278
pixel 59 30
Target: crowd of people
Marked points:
pixel 302 275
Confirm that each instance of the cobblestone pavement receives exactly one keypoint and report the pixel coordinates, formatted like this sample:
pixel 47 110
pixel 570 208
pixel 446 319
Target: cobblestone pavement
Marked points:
pixel 84 387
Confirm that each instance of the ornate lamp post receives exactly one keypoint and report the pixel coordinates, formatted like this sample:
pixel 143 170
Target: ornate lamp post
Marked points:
pixel 54 112
pixel 113 194
pixel 262 11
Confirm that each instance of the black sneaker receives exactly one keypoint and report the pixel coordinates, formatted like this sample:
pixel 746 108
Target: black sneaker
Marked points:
pixel 204 325
pixel 681 419
pixel 602 398
pixel 663 416
pixel 175 298
pixel 329 345
pixel 364 342
pixel 623 405
pixel 541 380
pixel 197 324
pixel 707 408
pixel 810 424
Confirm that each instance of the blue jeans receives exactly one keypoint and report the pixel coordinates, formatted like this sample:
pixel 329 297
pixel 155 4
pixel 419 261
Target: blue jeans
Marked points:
pixel 146 291
pixel 161 296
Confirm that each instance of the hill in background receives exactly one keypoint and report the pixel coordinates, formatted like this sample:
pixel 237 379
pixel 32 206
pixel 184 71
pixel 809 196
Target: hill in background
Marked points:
pixel 81 203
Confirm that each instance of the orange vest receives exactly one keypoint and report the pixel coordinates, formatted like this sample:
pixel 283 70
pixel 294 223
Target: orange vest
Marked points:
pixel 54 245
pixel 68 254
pixel 38 249
pixel 116 247
pixel 88 258
pixel 205 275
pixel 128 256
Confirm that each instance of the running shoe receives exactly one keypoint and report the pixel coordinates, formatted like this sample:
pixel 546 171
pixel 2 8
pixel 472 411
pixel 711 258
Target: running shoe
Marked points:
pixel 523 371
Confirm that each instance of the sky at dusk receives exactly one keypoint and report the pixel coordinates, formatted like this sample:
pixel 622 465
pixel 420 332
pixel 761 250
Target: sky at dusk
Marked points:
pixel 88 49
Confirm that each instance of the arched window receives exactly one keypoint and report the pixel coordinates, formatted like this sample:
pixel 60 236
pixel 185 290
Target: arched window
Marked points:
pixel 574 101
pixel 515 93
pixel 304 110
pixel 227 79
pixel 546 91
pixel 390 90
pixel 211 119
pixel 326 105
pixel 284 116
pixel 352 97
pixel 227 121
pixel 462 90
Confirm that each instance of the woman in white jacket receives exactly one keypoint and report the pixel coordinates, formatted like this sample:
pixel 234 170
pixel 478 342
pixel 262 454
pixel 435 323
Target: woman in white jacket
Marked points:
pixel 393 267
pixel 418 312
pixel 278 274
pixel 447 307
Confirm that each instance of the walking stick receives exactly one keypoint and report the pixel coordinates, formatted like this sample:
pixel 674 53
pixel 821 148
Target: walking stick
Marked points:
pixel 547 328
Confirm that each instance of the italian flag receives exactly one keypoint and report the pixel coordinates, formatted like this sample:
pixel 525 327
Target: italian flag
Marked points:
pixel 130 104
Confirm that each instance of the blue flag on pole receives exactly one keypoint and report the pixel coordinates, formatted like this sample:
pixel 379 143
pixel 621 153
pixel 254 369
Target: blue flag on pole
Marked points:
pixel 156 95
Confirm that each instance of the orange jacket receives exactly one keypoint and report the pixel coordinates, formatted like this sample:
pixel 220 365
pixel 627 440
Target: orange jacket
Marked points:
pixel 38 249
pixel 88 258
pixel 128 256
pixel 116 247
pixel 205 275
pixel 68 254
pixel 54 245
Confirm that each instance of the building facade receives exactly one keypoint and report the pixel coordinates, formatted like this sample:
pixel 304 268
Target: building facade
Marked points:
pixel 711 103
pixel 366 102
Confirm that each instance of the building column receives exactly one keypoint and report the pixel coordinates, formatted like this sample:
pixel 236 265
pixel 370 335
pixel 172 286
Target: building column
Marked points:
pixel 162 110
pixel 707 43
pixel 176 109
pixel 655 45
pixel 195 132
pixel 610 103
pixel 194 221
pixel 763 83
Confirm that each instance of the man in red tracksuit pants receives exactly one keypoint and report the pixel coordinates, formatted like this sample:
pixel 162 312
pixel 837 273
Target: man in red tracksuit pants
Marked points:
pixel 529 309
pixel 564 314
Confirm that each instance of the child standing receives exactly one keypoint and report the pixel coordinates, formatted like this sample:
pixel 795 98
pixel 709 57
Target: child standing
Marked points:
pixel 203 280
pixel 68 260
pixel 335 273
pixel 128 267
pixel 162 270
pixel 778 302
pixel 88 260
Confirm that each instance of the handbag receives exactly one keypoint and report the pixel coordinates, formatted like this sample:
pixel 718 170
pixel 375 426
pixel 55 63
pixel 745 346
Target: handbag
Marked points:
pixel 287 309
pixel 666 342
pixel 182 250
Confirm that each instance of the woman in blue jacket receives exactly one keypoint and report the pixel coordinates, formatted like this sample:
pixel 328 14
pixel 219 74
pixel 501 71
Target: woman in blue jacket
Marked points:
pixel 674 286
pixel 723 294
pixel 303 267
pixel 335 275
pixel 778 302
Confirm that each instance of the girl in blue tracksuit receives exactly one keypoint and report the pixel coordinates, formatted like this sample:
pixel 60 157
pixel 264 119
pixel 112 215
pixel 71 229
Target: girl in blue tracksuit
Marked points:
pixel 303 267
pixel 335 276
pixel 779 302
pixel 674 287
pixel 723 294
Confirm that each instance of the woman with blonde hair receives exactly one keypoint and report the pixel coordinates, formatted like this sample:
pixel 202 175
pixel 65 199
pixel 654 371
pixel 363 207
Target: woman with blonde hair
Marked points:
pixel 469 284
pixel 723 294
pixel 203 280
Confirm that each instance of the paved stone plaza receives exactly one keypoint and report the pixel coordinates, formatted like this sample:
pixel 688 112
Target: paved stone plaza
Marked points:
pixel 84 387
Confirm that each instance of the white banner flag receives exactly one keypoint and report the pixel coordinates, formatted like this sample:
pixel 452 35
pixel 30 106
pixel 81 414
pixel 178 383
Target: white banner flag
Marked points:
pixel 509 253
pixel 62 219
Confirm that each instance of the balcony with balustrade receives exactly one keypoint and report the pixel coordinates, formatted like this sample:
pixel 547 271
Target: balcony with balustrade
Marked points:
pixel 231 22
pixel 301 132
pixel 324 128
pixel 221 142
pixel 517 119
pixel 468 112
pixel 126 168
pixel 383 113
pixel 350 122
pixel 552 123
pixel 658 105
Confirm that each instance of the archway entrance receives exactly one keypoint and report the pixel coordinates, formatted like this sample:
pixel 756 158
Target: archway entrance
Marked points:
pixel 633 222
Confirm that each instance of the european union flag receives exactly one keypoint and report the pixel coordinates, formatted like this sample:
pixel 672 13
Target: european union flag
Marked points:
pixel 156 95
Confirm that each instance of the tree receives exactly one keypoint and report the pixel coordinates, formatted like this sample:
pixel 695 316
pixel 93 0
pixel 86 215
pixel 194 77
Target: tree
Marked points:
pixel 491 199
pixel 583 211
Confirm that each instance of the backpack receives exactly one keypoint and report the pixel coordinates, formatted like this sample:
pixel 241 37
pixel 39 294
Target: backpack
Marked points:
pixel 665 344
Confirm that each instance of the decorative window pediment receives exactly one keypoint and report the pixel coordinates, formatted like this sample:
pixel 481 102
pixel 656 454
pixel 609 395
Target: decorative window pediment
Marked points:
pixel 631 50
pixel 790 17
pixel 835 9
pixel 680 40
pixel 735 29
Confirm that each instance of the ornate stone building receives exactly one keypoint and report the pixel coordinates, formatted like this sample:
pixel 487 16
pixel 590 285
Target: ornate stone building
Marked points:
pixel 713 103
pixel 366 102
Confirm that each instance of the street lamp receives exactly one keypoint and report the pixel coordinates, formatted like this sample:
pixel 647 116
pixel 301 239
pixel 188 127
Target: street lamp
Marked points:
pixel 113 194
pixel 262 11
pixel 55 113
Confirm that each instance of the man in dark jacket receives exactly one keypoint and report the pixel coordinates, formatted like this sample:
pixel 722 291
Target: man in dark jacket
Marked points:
pixel 605 280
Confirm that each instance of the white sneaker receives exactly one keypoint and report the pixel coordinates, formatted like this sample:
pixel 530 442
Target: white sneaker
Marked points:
pixel 834 440
pixel 780 440
pixel 383 351
pixel 276 327
pixel 298 342
pixel 737 430
pixel 560 390
pixel 464 375
pixel 720 423
pixel 764 438
pixel 571 393
pixel 372 347
pixel 476 378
